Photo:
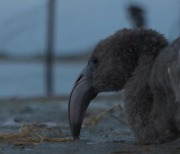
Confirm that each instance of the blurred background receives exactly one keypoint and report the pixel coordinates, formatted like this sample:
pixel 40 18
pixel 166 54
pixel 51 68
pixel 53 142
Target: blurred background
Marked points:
pixel 44 44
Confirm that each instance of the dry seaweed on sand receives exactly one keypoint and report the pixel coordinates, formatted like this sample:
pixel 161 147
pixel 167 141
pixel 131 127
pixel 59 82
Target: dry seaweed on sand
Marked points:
pixel 32 135
pixel 94 120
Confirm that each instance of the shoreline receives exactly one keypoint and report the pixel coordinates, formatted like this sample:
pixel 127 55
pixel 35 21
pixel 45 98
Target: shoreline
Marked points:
pixel 42 58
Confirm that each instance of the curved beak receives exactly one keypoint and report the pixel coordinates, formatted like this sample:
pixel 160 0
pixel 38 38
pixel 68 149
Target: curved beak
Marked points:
pixel 80 97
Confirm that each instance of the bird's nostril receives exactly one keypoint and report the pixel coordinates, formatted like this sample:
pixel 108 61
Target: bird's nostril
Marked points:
pixel 79 78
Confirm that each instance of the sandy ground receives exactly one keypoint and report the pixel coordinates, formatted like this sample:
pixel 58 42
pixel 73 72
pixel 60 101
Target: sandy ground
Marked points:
pixel 104 130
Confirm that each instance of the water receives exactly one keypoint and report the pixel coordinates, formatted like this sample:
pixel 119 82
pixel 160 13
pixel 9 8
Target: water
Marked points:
pixel 27 79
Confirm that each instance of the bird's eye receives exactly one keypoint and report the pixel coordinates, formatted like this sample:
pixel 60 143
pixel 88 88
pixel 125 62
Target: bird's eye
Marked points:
pixel 95 60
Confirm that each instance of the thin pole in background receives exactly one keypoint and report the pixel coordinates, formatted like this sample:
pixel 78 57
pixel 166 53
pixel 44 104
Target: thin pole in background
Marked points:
pixel 179 18
pixel 50 47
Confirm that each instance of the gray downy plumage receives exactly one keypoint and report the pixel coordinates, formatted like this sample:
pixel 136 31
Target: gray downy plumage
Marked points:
pixel 133 60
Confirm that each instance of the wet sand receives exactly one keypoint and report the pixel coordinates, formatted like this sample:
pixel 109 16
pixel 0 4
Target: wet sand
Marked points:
pixel 104 130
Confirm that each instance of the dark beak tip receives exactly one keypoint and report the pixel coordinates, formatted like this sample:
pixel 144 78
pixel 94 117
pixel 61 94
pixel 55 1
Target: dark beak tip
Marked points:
pixel 76 138
pixel 75 129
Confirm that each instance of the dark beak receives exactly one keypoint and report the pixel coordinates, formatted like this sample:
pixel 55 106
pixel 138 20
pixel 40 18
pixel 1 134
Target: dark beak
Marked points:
pixel 80 97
